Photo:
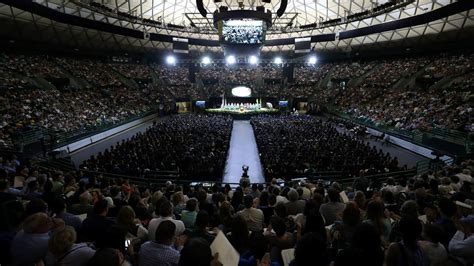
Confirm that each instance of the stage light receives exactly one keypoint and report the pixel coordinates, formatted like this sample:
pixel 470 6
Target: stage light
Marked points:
pixel 230 59
pixel 312 60
pixel 278 60
pixel 253 60
pixel 206 60
pixel 170 60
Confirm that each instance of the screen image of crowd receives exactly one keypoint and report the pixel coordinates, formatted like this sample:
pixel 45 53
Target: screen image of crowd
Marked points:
pixel 85 217
pixel 242 34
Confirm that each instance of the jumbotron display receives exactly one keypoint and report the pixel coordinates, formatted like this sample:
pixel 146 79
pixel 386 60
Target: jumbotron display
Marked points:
pixel 243 32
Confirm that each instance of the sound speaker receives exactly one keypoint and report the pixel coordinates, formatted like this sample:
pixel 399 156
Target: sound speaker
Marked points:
pixel 282 8
pixel 201 8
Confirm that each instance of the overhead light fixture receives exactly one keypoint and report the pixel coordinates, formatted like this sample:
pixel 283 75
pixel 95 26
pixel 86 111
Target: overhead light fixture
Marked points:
pixel 253 60
pixel 170 60
pixel 206 60
pixel 312 60
pixel 230 60
pixel 278 60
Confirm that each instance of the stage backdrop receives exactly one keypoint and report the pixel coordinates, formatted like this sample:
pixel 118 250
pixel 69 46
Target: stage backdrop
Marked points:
pixel 215 102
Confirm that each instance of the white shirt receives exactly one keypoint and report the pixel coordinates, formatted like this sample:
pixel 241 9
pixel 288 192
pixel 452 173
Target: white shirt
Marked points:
pixel 462 248
pixel 391 188
pixel 435 251
pixel 154 223
pixel 281 199
pixel 254 218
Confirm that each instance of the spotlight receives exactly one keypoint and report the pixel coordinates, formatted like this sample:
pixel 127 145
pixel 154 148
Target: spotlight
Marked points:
pixel 170 60
pixel 312 60
pixel 230 60
pixel 206 60
pixel 253 60
pixel 278 60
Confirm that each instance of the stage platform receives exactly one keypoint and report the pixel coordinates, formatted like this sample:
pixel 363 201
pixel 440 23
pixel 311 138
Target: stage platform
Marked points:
pixel 243 111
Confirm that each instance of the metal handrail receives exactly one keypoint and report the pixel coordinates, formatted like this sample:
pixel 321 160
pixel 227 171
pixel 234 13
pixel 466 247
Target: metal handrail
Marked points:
pixel 416 136
pixel 153 181
pixel 61 138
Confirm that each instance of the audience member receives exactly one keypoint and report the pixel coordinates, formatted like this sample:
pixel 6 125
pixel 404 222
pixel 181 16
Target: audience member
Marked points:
pixel 62 245
pixel 160 251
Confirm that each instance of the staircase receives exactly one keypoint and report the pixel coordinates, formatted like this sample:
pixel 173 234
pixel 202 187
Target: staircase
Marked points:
pixel 357 81
pixel 200 86
pixel 76 82
pixel 155 78
pixel 43 83
pixel 444 82
pixel 325 81
pixel 62 164
pixel 409 81
pixel 131 83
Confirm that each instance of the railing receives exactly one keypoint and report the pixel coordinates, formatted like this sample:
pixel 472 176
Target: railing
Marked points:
pixel 417 136
pixel 424 166
pixel 61 138
pixel 160 182
pixel 380 177
pixel 452 135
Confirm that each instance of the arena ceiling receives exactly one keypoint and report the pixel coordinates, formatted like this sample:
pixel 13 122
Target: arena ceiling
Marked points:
pixel 21 24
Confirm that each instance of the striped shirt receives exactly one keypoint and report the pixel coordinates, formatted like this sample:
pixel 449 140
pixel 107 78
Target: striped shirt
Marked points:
pixel 152 253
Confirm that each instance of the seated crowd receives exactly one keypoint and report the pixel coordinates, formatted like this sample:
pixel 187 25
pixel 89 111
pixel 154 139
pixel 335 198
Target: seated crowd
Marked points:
pixel 375 98
pixel 95 72
pixel 133 71
pixel 65 111
pixel 51 218
pixel 176 79
pixel 31 66
pixel 298 144
pixel 194 145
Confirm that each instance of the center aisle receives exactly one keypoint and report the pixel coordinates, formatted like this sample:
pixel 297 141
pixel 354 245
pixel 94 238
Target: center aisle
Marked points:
pixel 243 150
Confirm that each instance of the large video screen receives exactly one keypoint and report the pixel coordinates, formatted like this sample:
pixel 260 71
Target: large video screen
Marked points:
pixel 241 91
pixel 243 32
